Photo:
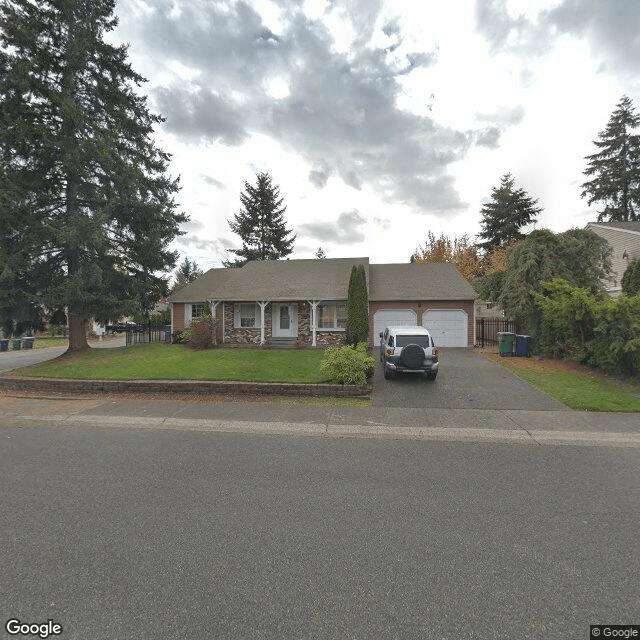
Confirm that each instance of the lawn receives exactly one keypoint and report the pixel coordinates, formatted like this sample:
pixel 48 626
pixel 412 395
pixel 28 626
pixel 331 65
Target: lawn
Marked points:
pixel 579 387
pixel 177 362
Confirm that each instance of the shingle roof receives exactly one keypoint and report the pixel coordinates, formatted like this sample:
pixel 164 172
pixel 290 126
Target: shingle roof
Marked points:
pixel 624 226
pixel 326 279
pixel 409 281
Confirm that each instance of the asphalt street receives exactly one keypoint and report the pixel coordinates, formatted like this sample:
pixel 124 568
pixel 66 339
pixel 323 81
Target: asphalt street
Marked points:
pixel 155 533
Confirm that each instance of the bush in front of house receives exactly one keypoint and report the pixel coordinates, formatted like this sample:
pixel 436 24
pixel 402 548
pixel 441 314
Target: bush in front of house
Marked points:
pixel 599 331
pixel 348 365
pixel 203 333
pixel 357 326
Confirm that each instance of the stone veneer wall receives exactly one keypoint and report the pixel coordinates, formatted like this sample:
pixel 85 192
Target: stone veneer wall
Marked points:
pixel 233 335
pixel 323 338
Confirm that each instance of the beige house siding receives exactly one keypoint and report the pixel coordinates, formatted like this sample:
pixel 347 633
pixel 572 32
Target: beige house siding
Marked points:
pixel 620 241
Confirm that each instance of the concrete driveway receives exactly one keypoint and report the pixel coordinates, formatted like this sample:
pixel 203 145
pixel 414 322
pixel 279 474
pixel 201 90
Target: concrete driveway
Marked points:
pixel 10 360
pixel 466 380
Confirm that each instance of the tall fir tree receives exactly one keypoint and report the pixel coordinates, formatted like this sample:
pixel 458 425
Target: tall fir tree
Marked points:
pixel 615 168
pixel 87 204
pixel 260 223
pixel 187 272
pixel 508 212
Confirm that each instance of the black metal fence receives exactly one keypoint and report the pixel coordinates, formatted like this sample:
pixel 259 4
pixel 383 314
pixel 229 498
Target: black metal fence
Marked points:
pixel 487 330
pixel 153 331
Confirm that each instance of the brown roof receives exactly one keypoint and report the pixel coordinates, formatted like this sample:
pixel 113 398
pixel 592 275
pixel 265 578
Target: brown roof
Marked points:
pixel 410 281
pixel 317 279
pixel 326 279
pixel 623 226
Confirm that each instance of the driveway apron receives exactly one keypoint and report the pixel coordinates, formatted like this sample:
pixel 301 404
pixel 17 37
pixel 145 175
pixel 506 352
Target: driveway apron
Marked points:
pixel 466 380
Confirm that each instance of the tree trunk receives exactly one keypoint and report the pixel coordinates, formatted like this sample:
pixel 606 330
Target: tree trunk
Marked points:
pixel 77 332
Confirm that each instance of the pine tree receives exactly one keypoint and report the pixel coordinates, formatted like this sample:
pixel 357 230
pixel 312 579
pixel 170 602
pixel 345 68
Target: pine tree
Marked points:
pixel 187 272
pixel 509 211
pixel 616 167
pixel 260 223
pixel 86 200
pixel 357 325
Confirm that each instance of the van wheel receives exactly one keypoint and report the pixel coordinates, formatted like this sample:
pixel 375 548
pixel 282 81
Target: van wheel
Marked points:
pixel 430 376
pixel 389 375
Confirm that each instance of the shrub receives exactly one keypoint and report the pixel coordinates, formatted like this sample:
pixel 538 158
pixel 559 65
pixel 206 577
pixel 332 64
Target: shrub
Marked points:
pixel 202 333
pixel 631 278
pixel 357 326
pixel 348 365
pixel 616 345
pixel 181 337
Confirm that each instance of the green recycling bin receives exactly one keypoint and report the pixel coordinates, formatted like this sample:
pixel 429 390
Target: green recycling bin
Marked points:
pixel 16 343
pixel 505 343
pixel 27 343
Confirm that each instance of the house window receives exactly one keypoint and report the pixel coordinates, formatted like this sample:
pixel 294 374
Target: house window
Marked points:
pixel 246 316
pixel 197 310
pixel 332 315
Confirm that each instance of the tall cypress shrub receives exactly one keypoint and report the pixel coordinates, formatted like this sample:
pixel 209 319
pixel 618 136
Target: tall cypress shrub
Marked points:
pixel 357 328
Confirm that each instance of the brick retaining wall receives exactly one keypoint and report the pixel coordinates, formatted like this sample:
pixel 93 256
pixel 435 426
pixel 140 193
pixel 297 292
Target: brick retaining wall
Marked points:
pixel 187 386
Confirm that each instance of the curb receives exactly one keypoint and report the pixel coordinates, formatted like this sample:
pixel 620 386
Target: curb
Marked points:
pixel 186 386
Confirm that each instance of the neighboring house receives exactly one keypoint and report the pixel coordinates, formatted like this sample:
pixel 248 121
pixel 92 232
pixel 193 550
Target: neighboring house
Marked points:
pixel 624 239
pixel 304 302
pixel 488 310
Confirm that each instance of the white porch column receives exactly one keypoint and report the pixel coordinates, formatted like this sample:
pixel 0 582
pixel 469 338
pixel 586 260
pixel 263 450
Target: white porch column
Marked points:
pixel 314 319
pixel 213 305
pixel 262 304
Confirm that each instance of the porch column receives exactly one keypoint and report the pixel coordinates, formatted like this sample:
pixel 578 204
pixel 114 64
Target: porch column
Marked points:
pixel 314 322
pixel 213 305
pixel 262 304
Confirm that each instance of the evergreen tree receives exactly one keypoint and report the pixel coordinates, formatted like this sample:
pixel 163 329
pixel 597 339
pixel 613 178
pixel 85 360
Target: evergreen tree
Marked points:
pixel 87 207
pixel 506 214
pixel 260 223
pixel 631 278
pixel 187 272
pixel 615 168
pixel 357 325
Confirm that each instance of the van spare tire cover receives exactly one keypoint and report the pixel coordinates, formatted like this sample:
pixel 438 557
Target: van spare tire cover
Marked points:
pixel 412 356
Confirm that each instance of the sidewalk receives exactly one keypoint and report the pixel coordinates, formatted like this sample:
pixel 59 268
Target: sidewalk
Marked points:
pixel 294 418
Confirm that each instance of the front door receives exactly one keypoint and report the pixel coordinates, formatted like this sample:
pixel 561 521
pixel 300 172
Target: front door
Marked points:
pixel 284 320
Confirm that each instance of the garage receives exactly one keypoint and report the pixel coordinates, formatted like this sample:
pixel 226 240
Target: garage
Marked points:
pixel 391 317
pixel 448 327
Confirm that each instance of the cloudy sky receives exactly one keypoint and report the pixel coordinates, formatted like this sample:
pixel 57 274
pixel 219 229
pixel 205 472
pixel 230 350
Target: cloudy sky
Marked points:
pixel 379 120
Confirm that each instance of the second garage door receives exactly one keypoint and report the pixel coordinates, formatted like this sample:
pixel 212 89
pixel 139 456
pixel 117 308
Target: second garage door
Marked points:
pixel 448 327
pixel 391 317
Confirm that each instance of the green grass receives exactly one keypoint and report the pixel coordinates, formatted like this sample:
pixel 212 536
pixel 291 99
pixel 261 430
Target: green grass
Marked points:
pixel 582 392
pixel 43 343
pixel 178 362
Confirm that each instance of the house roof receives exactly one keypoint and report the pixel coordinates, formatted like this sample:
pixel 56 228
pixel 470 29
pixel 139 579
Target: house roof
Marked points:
pixel 633 227
pixel 326 279
pixel 410 281
pixel 317 279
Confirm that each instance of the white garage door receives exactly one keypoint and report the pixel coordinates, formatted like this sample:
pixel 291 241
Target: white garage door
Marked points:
pixel 390 317
pixel 448 327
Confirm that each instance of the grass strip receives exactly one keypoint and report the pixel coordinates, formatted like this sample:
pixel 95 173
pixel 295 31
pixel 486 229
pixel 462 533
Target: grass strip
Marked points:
pixel 160 361
pixel 581 392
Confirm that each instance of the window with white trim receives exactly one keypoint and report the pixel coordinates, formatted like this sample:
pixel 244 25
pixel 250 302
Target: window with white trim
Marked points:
pixel 332 315
pixel 246 316
pixel 197 310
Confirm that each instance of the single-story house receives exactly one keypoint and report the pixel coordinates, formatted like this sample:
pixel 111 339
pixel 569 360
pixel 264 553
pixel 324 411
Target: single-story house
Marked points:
pixel 304 302
pixel 624 240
